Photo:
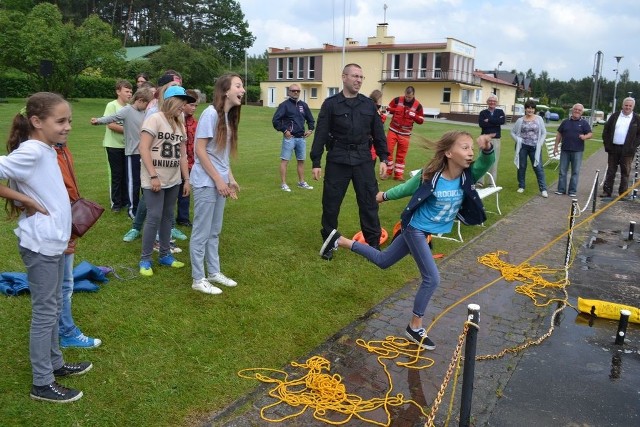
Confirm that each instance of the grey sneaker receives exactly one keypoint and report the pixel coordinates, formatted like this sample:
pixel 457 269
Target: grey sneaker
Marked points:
pixel 285 187
pixel 304 185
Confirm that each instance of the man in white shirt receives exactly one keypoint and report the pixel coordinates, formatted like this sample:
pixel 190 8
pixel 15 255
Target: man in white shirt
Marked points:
pixel 621 137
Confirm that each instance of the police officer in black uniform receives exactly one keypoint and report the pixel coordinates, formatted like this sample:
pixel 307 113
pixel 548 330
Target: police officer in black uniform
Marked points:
pixel 347 126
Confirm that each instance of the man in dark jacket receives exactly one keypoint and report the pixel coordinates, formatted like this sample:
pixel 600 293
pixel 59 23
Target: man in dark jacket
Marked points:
pixel 289 119
pixel 348 124
pixel 490 121
pixel 621 137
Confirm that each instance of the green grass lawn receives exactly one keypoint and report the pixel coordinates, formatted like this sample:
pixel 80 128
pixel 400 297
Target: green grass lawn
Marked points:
pixel 170 355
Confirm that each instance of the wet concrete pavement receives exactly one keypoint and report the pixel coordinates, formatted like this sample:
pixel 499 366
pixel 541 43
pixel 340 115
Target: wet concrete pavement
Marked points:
pixel 576 377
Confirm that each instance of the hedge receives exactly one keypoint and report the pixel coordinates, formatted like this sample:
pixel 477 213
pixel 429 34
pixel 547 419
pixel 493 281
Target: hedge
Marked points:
pixel 21 86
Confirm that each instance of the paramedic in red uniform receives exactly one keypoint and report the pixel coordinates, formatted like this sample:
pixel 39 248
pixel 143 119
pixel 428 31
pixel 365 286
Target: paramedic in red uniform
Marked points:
pixel 406 111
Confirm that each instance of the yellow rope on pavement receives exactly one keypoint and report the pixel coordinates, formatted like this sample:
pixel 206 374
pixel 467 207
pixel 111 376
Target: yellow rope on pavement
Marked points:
pixel 326 394
pixel 533 283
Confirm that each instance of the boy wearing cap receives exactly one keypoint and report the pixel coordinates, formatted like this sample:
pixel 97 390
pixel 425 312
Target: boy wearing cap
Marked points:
pixel 164 161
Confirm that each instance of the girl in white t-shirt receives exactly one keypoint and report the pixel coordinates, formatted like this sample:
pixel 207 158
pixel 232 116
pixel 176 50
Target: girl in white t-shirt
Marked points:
pixel 164 160
pixel 44 227
pixel 213 181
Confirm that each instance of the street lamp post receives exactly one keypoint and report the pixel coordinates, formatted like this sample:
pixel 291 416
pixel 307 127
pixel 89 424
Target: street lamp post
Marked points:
pixel 615 85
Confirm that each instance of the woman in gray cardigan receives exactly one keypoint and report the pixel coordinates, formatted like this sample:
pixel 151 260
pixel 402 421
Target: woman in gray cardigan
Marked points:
pixel 529 133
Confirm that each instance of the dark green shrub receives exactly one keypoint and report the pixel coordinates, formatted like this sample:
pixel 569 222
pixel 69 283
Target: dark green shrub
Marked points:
pixel 17 85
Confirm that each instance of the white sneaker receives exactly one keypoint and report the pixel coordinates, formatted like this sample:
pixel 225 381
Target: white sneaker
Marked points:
pixel 304 185
pixel 286 188
pixel 544 194
pixel 205 287
pixel 520 190
pixel 221 279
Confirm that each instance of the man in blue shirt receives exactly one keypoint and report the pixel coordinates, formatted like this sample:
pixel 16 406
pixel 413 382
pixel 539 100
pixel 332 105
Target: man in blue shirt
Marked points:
pixel 572 132
pixel 289 119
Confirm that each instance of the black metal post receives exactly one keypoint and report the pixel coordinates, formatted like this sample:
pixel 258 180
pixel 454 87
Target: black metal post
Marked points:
pixel 632 226
pixel 622 326
pixel 473 315
pixel 595 191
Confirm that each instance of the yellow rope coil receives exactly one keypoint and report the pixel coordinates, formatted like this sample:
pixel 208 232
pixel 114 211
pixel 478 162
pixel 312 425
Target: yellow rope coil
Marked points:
pixel 533 283
pixel 326 394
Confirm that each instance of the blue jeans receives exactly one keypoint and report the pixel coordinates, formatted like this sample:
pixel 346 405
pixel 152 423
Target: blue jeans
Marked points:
pixel 573 158
pixel 141 214
pixel 411 241
pixel 530 152
pixel 299 145
pixel 66 325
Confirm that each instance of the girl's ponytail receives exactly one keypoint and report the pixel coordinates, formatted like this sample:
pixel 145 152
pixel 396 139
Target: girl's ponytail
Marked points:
pixel 20 129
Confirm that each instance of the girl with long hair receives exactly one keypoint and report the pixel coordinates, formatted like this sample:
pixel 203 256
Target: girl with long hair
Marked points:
pixel 164 160
pixel 213 181
pixel 38 194
pixel 443 191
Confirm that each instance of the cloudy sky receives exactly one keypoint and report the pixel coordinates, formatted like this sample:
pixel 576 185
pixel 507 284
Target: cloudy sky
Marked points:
pixel 558 36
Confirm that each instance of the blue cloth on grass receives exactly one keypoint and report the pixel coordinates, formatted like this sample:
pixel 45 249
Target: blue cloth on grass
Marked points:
pixel 13 284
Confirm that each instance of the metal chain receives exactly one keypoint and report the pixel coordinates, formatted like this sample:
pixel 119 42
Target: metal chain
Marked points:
pixel 445 382
pixel 529 343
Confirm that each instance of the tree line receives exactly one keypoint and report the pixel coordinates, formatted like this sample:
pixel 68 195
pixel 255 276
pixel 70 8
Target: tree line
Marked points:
pixel 566 93
pixel 200 38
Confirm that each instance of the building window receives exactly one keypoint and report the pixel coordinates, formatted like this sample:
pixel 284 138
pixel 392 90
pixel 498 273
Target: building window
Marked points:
pixel 312 67
pixel 437 65
pixel 465 95
pixel 446 94
pixel 333 90
pixel 423 66
pixel 395 66
pixel 289 68
pixel 280 68
pixel 409 68
pixel 300 68
pixel 314 92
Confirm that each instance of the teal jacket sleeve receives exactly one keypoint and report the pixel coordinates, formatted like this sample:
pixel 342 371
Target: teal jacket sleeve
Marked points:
pixel 482 164
pixel 405 189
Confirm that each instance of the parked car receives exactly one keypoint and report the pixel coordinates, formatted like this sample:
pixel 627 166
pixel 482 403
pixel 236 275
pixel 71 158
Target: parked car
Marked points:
pixel 554 117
